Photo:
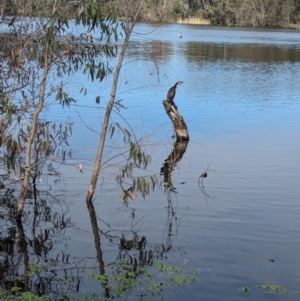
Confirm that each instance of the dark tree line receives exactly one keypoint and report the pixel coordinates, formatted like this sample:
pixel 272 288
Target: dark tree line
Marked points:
pixel 253 13
pixel 248 12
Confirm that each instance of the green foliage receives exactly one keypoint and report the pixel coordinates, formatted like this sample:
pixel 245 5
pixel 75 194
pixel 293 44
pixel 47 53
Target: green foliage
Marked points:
pixel 247 12
pixel 121 280
pixel 217 11
pixel 273 288
pixel 64 98
pixel 125 132
pixel 136 159
pixel 179 10
pixel 143 282
pixel 15 294
pixel 268 289
pixel 36 268
pixel 37 54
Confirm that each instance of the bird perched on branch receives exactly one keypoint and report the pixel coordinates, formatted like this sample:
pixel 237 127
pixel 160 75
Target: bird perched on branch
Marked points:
pixel 172 91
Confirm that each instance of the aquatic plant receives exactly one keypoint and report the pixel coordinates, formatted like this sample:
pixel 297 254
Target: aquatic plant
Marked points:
pixel 122 280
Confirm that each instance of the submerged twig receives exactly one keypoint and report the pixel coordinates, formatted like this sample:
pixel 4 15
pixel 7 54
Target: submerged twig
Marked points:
pixel 201 185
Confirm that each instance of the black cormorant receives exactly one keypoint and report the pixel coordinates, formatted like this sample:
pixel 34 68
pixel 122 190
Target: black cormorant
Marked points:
pixel 172 91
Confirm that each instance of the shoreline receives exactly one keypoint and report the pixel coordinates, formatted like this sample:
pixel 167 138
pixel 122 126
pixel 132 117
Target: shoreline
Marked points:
pixel 200 21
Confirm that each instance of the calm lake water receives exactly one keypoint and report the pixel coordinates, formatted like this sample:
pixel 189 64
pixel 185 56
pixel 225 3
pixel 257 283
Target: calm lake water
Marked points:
pixel 241 102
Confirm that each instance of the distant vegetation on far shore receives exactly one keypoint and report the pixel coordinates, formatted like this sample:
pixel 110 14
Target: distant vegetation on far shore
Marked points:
pixel 248 13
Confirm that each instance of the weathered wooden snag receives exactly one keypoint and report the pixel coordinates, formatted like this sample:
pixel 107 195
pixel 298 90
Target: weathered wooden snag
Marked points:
pixel 182 135
pixel 179 124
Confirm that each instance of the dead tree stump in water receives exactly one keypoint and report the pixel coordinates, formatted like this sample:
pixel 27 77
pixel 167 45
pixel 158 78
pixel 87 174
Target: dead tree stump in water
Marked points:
pixel 182 136
pixel 181 131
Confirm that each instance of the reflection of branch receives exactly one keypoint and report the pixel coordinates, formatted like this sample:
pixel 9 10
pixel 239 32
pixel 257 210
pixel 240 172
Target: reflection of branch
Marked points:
pixel 95 228
pixel 172 160
pixel 24 251
pixel 171 220
pixel 201 185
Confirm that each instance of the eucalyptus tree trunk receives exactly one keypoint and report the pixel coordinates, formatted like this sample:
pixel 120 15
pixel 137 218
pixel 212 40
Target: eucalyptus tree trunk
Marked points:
pixel 35 118
pixel 21 202
pixel 97 164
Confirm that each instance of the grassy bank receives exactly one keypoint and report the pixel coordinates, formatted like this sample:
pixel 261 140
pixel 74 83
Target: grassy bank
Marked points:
pixel 194 20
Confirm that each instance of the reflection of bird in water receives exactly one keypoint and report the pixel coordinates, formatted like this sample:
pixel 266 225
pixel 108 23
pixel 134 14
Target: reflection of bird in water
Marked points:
pixel 180 34
pixel 172 91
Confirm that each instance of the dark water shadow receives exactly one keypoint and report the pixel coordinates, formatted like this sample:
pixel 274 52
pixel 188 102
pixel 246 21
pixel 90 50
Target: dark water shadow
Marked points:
pixel 33 256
